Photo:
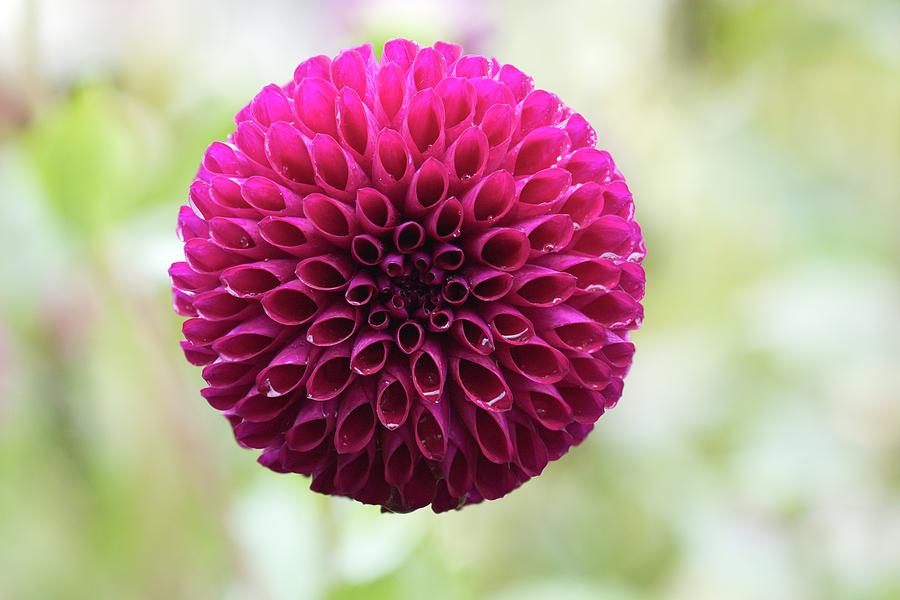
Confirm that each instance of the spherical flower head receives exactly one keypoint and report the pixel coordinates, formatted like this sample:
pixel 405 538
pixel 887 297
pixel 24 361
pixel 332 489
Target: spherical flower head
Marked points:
pixel 411 279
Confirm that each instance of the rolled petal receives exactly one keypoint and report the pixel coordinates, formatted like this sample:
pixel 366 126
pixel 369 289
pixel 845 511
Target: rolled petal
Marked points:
pixel 489 429
pixel 535 360
pixel 548 233
pixel 539 109
pixel 327 273
pixel 360 290
pixel 615 310
pixel 335 171
pixel 508 324
pixel 458 97
pixel 293 235
pixel 398 449
pixel 430 426
pixel 481 381
pixel 353 470
pixel 204 256
pixel 394 397
pixel 429 371
pixel 249 339
pixel 428 187
pixel 190 225
pixel 313 424
pixel 440 320
pixel 503 249
pixel 591 274
pixel 541 148
pixel 333 325
pixel 467 158
pixel 289 155
pixel 371 350
pixel 428 69
pixel 332 220
pixel 252 280
pixel 293 303
pixel 288 370
pixel 587 371
pixel 378 318
pixel 219 305
pixel 542 402
pixel 392 165
pixel 355 420
pixel 445 221
pixel 186 279
pixel 256 407
pixel 314 103
pixel 489 200
pixel 408 237
pixel 569 329
pixel 447 257
pixel 410 336
pixel 584 204
pixel 367 249
pixel 357 126
pixel 375 213
pixel 488 284
pixel 455 290
pixel 391 93
pixel 531 453
pixel 518 82
pixel 424 126
pixel 608 236
pixel 240 236
pixel 540 193
pixel 267 197
pixel 540 287
pixel 589 164
pixel 472 332
pixel 499 124
pixel 331 375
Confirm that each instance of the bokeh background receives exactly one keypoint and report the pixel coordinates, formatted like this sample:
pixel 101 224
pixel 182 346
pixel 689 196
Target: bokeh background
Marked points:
pixel 756 450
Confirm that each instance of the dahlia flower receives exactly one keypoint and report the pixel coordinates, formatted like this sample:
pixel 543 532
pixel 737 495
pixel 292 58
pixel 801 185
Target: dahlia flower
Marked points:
pixel 411 279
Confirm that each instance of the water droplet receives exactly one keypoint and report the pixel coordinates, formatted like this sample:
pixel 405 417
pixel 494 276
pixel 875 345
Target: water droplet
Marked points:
pixel 549 247
pixel 244 242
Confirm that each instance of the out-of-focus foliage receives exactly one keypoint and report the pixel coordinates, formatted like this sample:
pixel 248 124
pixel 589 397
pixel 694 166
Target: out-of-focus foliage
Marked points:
pixel 754 453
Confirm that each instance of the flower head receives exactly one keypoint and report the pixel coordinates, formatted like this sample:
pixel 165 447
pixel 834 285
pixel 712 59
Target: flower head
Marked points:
pixel 411 279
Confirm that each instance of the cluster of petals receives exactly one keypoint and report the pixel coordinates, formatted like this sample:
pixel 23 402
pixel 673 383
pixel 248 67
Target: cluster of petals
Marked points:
pixel 411 279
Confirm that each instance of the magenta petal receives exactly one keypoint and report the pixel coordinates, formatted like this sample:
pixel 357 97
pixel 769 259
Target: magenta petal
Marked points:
pixel 327 273
pixel 293 303
pixel 332 220
pixel 429 371
pixel 540 287
pixel 489 200
pixel 472 332
pixel 190 225
pixel 313 424
pixel 375 212
pixel 503 249
pixel 249 339
pixel 424 126
pixel 535 360
pixel 481 381
pixel 334 325
pixel 314 102
pixel 331 375
pixel 394 397
pixel 335 171
pixel 489 429
pixel 219 305
pixel 288 370
pixel 540 149
pixel 410 336
pixel 371 350
pixel 255 279
pixel 355 420
pixel 289 155
pixel 508 324
pixel 392 166
pixel 430 426
pixel 445 221
pixel 488 284
pixel 428 187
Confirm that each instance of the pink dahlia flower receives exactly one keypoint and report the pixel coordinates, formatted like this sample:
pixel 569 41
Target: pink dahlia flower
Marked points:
pixel 411 279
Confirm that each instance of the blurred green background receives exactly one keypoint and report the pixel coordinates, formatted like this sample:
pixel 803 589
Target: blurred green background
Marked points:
pixel 754 453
